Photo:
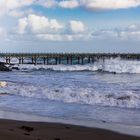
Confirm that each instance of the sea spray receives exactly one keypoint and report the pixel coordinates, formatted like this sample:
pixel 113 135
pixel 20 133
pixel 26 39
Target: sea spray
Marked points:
pixel 116 65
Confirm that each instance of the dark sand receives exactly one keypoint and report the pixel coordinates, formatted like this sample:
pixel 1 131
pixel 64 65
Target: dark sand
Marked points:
pixel 16 130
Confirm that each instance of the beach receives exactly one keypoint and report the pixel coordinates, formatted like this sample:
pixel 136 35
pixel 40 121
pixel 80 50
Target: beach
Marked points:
pixel 20 130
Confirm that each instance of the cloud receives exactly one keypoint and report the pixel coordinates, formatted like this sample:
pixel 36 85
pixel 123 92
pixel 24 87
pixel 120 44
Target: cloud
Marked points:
pixel 2 31
pixel 60 37
pixel 50 29
pixel 7 6
pixel 16 13
pixel 74 30
pixel 44 28
pixel 91 4
pixel 61 3
pixel 22 25
pixel 15 7
pixel 38 24
pixel 109 4
pixel 68 4
pixel 131 32
pixel 3 34
pixel 76 26
pixel 47 3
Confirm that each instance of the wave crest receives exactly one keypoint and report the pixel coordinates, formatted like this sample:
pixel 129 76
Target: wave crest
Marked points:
pixel 89 96
pixel 108 65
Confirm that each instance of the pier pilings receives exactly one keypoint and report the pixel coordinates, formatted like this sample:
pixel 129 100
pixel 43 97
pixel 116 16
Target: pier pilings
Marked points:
pixel 64 58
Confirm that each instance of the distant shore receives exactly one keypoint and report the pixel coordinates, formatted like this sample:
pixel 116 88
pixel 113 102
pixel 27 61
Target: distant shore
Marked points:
pixel 19 130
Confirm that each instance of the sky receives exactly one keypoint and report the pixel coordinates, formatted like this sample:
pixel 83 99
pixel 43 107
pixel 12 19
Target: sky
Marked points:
pixel 70 26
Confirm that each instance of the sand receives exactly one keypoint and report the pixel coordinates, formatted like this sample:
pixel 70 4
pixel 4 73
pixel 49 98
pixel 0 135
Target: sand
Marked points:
pixel 18 130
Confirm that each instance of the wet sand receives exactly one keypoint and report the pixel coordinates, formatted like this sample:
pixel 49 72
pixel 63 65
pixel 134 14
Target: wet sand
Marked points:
pixel 18 130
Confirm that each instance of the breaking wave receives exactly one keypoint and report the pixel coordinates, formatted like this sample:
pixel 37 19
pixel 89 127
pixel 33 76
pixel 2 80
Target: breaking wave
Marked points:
pixel 89 96
pixel 108 65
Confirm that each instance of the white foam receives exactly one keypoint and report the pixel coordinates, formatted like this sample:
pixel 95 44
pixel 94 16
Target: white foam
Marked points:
pixel 90 96
pixel 109 65
pixel 121 66
pixel 12 60
pixel 3 84
pixel 58 67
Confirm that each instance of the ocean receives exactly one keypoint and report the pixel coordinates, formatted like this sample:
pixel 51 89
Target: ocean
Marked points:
pixel 107 91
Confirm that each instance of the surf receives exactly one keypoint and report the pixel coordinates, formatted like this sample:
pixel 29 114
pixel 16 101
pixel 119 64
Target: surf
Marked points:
pixel 116 65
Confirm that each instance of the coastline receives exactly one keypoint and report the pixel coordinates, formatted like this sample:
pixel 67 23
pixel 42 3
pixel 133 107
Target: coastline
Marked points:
pixel 11 129
pixel 108 130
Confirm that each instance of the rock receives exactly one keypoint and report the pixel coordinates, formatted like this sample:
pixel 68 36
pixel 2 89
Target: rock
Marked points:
pixel 3 67
pixel 3 84
pixel 124 98
pixel 15 68
pixel 4 93
pixel 56 90
pixel 27 128
pixel 57 139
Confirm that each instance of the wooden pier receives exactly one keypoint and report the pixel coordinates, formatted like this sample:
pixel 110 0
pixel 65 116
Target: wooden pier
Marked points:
pixel 63 58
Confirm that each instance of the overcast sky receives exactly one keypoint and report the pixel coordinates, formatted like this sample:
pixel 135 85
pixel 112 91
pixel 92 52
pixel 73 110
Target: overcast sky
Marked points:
pixel 70 26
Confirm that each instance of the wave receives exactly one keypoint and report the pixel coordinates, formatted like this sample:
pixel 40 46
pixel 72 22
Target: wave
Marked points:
pixel 89 96
pixel 108 65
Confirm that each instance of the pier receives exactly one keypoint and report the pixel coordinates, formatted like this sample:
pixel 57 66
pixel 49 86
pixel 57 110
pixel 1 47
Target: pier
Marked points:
pixel 63 58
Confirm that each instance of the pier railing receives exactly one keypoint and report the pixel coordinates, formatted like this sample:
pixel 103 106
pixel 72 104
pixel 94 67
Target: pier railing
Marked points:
pixel 63 58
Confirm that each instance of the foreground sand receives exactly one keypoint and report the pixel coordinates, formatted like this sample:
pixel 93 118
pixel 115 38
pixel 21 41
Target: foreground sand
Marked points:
pixel 16 130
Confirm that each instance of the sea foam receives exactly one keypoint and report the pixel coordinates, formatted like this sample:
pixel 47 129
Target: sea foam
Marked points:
pixel 108 65
pixel 89 96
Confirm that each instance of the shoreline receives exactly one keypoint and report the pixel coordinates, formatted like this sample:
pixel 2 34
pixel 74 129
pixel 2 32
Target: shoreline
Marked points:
pixel 15 130
pixel 117 128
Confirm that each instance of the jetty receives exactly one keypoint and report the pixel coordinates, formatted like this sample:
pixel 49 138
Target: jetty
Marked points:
pixel 63 58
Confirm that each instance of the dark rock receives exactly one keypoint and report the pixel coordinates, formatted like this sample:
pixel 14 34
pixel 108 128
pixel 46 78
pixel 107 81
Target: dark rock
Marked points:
pixel 4 93
pixel 56 90
pixel 15 68
pixel 3 67
pixel 27 134
pixel 2 63
pixel 57 139
pixel 27 128
pixel 67 127
pixel 124 98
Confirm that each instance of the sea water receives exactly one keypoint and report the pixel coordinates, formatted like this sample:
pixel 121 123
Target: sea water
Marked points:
pixel 107 91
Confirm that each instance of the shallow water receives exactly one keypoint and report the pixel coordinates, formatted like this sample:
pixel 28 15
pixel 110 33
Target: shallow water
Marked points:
pixel 69 92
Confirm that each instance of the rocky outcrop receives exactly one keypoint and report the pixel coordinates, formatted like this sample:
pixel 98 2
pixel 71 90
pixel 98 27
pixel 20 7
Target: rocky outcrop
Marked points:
pixel 3 67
